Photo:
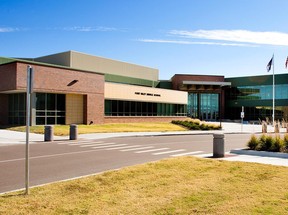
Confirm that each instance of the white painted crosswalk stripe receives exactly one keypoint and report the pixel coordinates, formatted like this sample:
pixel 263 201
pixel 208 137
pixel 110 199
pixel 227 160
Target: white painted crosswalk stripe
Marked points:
pixel 187 153
pixel 151 150
pixel 69 142
pixel 123 147
pixel 85 143
pixel 97 144
pixel 169 152
pixel 101 147
pixel 127 150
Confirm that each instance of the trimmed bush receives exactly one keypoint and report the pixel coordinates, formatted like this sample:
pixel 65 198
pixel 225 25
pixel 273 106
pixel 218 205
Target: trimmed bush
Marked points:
pixel 268 143
pixel 285 143
pixel 261 146
pixel 277 145
pixel 253 142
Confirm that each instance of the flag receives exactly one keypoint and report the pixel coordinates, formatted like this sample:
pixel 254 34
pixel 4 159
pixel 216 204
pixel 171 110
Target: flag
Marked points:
pixel 269 64
pixel 286 63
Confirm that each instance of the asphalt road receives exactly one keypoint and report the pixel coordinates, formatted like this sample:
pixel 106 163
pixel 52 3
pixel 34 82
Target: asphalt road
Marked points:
pixel 61 160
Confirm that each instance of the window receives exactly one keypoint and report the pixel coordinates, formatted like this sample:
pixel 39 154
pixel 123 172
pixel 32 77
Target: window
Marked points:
pixel 50 108
pixel 134 108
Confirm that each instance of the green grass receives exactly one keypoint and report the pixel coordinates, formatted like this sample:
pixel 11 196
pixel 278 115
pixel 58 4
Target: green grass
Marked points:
pixel 186 185
pixel 60 130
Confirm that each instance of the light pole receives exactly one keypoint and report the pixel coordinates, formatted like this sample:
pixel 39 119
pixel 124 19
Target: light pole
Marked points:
pixel 29 89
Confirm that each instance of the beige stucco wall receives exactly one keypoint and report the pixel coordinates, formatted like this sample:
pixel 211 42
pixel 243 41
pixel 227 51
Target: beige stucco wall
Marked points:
pixel 74 109
pixel 63 59
pixel 108 66
pixel 92 63
pixel 147 94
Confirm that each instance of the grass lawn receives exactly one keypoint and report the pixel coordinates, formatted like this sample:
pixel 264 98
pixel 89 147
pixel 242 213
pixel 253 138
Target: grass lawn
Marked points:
pixel 60 130
pixel 185 185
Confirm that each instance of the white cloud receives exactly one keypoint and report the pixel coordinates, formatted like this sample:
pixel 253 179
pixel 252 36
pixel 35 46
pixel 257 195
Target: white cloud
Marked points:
pixel 89 29
pixel 5 30
pixel 185 42
pixel 253 37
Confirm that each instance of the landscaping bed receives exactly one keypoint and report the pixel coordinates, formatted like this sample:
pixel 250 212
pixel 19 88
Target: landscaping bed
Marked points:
pixel 196 124
pixel 269 143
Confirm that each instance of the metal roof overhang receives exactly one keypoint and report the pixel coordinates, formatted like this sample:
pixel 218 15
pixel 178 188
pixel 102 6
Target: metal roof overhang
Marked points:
pixel 215 83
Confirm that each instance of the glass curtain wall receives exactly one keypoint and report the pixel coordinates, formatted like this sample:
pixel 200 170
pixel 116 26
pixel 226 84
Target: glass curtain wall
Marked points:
pixel 257 101
pixel 204 106
pixel 192 108
pixel 133 108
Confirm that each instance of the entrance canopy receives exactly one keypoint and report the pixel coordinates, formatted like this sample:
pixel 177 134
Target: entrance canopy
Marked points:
pixel 203 85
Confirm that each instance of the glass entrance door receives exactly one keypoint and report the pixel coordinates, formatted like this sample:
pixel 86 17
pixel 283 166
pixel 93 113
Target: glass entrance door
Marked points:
pixel 209 106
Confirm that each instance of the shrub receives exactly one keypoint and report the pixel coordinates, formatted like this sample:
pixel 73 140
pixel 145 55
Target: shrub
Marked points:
pixel 262 143
pixel 204 127
pixel 285 143
pixel 253 142
pixel 195 124
pixel 269 142
pixel 277 145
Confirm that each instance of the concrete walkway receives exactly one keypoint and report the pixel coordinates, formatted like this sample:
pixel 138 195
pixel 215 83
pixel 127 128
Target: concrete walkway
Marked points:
pixel 13 137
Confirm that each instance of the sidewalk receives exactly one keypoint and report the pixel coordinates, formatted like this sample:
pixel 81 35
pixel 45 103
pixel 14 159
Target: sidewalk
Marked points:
pixel 14 137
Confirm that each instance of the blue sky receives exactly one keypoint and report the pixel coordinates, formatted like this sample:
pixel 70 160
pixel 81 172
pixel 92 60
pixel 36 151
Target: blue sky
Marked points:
pixel 208 37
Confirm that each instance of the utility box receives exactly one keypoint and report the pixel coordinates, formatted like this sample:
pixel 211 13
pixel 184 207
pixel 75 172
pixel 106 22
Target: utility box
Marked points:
pixel 48 133
pixel 73 132
pixel 218 146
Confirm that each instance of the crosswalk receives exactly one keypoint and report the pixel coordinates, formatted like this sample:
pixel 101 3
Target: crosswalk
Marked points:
pixel 125 147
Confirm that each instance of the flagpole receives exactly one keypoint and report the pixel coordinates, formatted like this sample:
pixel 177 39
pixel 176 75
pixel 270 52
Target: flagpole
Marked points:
pixel 273 102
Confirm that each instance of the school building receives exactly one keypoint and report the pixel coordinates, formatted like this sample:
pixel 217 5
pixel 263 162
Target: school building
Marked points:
pixel 72 87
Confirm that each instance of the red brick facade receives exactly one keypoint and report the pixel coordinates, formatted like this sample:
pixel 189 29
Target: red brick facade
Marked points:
pixel 8 77
pixel 51 79
pixel 177 84
pixel 177 80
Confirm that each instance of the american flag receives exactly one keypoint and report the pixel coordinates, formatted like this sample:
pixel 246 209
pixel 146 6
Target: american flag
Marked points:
pixel 269 65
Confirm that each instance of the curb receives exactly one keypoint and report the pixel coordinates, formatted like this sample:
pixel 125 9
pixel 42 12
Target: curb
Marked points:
pixel 259 153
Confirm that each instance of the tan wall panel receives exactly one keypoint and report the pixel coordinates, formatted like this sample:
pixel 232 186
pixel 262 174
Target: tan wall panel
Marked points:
pixel 59 59
pixel 74 109
pixel 137 93
pixel 108 66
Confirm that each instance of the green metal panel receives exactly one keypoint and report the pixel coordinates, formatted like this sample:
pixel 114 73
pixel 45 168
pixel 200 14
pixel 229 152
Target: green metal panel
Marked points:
pixel 258 80
pixel 129 80
pixel 165 85
pixel 4 60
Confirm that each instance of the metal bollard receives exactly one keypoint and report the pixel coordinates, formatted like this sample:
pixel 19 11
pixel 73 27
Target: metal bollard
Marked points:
pixel 218 145
pixel 73 132
pixel 48 133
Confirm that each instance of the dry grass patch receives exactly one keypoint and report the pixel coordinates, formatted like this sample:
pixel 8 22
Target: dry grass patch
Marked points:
pixel 61 130
pixel 184 185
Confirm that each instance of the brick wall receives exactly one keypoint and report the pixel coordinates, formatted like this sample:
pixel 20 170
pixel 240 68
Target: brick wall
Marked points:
pixel 178 79
pixel 8 77
pixel 50 79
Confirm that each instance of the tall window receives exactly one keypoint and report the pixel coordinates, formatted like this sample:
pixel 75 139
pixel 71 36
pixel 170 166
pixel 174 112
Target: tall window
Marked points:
pixel 204 106
pixel 193 105
pixel 17 109
pixel 50 108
